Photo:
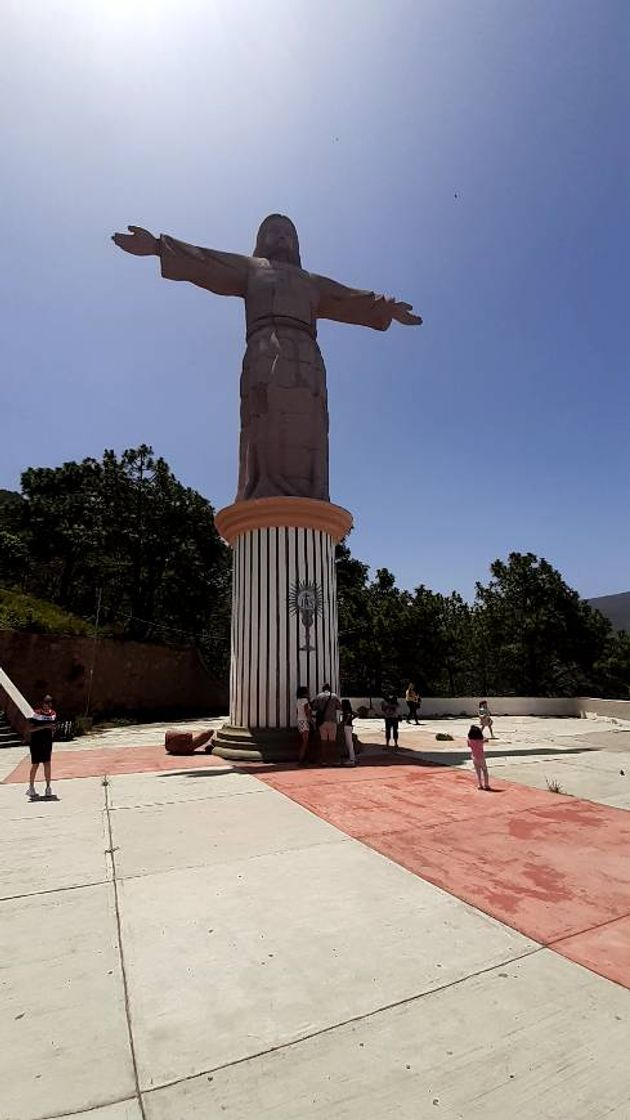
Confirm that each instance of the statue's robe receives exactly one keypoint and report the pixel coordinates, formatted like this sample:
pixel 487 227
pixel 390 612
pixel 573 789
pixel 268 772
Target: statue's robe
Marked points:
pixel 284 411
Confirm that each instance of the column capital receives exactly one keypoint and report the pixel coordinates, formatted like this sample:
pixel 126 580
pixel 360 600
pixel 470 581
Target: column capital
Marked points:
pixel 299 513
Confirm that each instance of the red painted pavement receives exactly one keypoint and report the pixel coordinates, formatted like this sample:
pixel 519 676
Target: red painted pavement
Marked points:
pixel 553 867
pixel 115 760
pixel 605 949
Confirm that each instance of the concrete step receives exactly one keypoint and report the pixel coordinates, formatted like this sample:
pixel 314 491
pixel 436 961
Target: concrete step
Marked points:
pixel 8 737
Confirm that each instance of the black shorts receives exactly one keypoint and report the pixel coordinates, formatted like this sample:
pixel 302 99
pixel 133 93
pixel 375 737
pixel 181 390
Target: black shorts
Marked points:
pixel 41 746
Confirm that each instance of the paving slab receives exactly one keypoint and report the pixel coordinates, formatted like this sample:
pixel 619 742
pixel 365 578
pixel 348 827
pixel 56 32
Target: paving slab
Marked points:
pixel 62 1012
pixel 10 757
pixel 143 734
pixel 604 949
pixel 620 801
pixel 550 866
pixel 575 780
pixel 538 1038
pixel 549 872
pixel 98 761
pixel 414 797
pixel 604 761
pixel 49 852
pixel 70 798
pixel 224 962
pixel 131 790
pixel 122 1110
pixel 613 739
pixel 215 830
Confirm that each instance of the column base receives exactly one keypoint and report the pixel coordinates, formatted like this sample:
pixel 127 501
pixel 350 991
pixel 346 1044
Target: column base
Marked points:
pixel 256 744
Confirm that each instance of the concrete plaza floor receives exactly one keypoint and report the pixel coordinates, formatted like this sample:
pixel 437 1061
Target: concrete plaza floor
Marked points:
pixel 205 941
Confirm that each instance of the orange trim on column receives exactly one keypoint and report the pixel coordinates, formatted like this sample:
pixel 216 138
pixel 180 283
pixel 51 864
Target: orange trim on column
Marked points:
pixel 299 513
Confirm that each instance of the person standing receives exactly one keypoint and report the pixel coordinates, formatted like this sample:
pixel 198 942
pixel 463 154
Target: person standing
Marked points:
pixel 347 716
pixel 413 702
pixel 41 740
pixel 390 709
pixel 476 746
pixel 304 721
pixel 326 705
pixel 485 717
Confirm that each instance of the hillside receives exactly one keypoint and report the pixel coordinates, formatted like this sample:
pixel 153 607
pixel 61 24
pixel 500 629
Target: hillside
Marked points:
pixel 26 612
pixel 614 607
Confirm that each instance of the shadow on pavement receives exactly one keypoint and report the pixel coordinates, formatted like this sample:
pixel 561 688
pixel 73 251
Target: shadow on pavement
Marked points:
pixel 365 761
pixel 452 758
pixel 211 772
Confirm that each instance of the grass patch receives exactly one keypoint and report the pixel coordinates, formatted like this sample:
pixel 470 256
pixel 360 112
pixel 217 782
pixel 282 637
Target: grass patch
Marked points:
pixel 26 612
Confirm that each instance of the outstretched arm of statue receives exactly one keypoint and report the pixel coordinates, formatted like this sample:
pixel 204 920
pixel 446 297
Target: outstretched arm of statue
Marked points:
pixel 364 309
pixel 222 273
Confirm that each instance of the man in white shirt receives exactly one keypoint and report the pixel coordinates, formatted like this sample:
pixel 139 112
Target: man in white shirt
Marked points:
pixel 326 705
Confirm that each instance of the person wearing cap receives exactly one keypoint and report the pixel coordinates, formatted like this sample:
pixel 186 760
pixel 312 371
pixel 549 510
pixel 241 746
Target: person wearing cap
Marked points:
pixel 42 728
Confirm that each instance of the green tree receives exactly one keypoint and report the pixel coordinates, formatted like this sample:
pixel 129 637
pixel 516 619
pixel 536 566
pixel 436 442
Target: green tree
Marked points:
pixel 354 621
pixel 611 672
pixel 126 526
pixel 389 636
pixel 541 639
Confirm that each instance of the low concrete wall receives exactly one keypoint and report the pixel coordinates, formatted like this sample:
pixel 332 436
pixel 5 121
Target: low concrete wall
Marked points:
pixel 612 709
pixel 15 707
pixel 128 676
pixel 437 706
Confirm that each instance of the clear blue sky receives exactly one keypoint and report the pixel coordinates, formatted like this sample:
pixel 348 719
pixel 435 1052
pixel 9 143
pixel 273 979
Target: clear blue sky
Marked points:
pixel 503 422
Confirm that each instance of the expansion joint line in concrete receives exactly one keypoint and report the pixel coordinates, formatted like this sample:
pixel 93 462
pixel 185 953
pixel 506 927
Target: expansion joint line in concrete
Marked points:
pixel 112 855
pixel 87 1111
pixel 54 890
pixel 551 944
pixel 347 1022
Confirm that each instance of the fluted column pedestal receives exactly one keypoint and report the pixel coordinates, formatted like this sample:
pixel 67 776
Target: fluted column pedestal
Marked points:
pixel 284 618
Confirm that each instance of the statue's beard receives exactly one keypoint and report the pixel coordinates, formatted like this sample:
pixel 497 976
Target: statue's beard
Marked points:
pixel 283 253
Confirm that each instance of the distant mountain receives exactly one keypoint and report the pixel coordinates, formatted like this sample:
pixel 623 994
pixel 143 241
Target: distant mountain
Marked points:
pixel 615 607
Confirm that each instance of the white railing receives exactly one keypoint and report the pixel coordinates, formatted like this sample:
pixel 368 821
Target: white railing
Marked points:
pixel 16 708
pixel 438 706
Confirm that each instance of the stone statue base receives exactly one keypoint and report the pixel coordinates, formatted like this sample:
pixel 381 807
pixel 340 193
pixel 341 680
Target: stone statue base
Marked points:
pixel 284 618
pixel 256 744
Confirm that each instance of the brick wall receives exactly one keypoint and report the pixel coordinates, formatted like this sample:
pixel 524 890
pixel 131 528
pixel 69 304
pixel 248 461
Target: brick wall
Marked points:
pixel 128 676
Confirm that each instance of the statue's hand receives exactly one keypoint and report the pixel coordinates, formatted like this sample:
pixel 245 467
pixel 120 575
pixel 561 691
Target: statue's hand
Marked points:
pixel 402 313
pixel 138 241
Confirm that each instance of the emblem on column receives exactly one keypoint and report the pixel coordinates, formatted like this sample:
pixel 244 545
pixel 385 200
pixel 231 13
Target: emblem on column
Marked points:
pixel 305 600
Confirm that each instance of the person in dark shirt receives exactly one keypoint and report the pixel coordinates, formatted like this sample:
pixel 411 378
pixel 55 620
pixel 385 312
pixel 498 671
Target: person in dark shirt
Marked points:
pixel 390 709
pixel 42 728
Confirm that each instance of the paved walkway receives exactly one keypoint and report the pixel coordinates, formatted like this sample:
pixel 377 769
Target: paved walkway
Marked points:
pixel 554 868
pixel 278 944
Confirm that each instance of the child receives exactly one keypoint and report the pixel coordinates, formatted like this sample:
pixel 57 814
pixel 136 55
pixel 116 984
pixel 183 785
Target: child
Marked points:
pixel 304 714
pixel 413 702
pixel 476 744
pixel 390 710
pixel 485 717
pixel 41 740
pixel 347 716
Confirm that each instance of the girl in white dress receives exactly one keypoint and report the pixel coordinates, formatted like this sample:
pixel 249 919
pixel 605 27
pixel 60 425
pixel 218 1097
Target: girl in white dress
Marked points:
pixel 304 721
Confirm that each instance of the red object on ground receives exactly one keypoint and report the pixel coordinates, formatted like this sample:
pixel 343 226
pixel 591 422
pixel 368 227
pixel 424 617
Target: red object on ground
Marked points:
pixel 184 742
pixel 555 868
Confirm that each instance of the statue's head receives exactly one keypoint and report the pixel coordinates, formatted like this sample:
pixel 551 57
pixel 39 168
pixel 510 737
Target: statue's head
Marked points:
pixel 277 240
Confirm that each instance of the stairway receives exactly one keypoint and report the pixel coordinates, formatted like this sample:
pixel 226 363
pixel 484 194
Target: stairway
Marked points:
pixel 8 737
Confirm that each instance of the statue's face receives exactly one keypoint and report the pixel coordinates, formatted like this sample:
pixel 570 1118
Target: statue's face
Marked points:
pixel 277 242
